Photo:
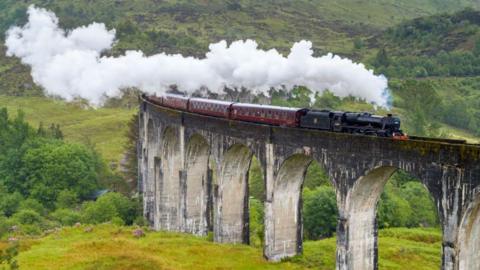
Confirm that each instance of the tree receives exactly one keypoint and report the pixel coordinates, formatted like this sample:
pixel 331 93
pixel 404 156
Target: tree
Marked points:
pixel 10 202
pixel 392 209
pixel 358 43
pixel 476 49
pixel 54 167
pixel 255 181
pixel 66 199
pixel 327 101
pixel 422 104
pixel 382 58
pixel 130 167
pixel 424 213
pixel 315 177
pixel 319 212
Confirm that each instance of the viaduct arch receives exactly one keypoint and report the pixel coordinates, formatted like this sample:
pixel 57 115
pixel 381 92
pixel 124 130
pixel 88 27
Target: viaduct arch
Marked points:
pixel 176 147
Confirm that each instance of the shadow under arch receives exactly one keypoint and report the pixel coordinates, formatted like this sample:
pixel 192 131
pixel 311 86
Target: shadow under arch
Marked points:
pixel 469 237
pixel 167 180
pixel 231 203
pixel 197 184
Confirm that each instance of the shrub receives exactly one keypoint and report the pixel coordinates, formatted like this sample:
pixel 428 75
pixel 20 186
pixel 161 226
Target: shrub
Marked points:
pixel 32 204
pixel 124 207
pixel 31 229
pixel 118 221
pixel 4 226
pixel 9 203
pixel 98 212
pixel 140 221
pixel 66 217
pixel 27 217
pixel 109 206
pixel 66 199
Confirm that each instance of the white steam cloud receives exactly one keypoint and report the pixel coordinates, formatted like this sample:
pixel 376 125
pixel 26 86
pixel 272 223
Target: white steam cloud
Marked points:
pixel 69 64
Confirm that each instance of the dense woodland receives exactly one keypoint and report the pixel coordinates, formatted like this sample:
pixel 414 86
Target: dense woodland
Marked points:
pixel 47 182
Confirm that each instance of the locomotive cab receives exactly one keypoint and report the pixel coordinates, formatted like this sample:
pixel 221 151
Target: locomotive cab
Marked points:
pixel 317 119
pixel 392 124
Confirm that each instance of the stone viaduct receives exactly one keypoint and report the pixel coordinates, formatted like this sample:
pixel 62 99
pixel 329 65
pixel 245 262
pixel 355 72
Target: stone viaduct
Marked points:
pixel 182 193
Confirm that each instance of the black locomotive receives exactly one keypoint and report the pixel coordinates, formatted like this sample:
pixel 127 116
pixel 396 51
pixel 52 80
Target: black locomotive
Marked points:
pixel 353 122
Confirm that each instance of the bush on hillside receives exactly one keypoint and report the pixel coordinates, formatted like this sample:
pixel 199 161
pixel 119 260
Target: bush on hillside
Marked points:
pixel 66 217
pixel 109 206
pixel 27 217
pixel 32 204
pixel 66 199
pixel 9 203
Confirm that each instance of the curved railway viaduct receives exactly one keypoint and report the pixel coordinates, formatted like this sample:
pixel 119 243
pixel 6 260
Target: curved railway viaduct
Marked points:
pixel 182 193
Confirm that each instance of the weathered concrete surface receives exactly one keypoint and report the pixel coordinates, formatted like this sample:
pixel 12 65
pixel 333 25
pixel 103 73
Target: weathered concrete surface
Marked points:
pixel 196 187
pixel 231 215
pixel 469 238
pixel 286 239
pixel 168 182
pixel 358 167
pixel 360 252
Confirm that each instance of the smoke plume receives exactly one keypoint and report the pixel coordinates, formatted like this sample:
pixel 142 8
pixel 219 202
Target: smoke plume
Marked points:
pixel 69 64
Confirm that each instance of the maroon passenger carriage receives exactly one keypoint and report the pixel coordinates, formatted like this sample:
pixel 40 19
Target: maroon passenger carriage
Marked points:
pixel 210 107
pixel 272 115
pixel 175 102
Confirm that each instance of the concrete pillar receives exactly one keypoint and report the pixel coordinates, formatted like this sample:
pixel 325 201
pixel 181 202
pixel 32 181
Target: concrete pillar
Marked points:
pixel 231 209
pixel 469 238
pixel 356 231
pixel 268 249
pixel 450 204
pixel 196 186
pixel 149 180
pixel 169 199
pixel 157 183
pixel 284 233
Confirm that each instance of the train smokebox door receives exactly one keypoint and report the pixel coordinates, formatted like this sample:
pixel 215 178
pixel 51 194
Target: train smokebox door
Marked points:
pixel 337 123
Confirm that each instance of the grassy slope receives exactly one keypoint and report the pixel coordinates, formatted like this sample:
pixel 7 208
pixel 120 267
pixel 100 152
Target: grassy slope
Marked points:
pixel 109 247
pixel 105 128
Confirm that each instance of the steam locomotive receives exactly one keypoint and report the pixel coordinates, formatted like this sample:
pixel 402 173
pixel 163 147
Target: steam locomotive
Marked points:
pixel 337 121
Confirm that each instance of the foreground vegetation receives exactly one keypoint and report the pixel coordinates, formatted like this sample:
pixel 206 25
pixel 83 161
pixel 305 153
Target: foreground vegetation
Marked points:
pixel 46 182
pixel 115 247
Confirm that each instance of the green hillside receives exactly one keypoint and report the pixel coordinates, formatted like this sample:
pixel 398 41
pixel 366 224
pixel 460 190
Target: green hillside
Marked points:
pixel 103 127
pixel 110 247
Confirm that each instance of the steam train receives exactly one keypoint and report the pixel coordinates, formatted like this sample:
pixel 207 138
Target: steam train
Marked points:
pixel 336 121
